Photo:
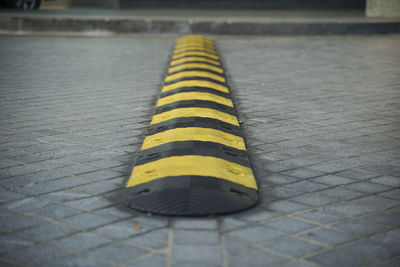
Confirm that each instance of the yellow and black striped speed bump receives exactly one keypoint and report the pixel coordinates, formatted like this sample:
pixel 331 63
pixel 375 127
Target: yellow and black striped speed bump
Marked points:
pixel 193 160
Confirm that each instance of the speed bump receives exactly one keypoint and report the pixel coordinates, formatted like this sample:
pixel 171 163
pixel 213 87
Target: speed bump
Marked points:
pixel 193 160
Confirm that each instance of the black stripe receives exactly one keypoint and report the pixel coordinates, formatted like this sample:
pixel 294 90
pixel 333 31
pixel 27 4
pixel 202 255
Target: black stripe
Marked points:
pixel 194 61
pixel 193 148
pixel 195 104
pixel 195 78
pixel 198 69
pixel 194 89
pixel 196 56
pixel 194 122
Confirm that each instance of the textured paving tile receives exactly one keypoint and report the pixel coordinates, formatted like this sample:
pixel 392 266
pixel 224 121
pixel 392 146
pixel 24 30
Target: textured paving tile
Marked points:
pixel 321 121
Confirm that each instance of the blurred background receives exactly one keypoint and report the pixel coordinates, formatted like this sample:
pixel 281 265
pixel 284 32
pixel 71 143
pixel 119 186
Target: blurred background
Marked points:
pixel 372 8
pixel 223 4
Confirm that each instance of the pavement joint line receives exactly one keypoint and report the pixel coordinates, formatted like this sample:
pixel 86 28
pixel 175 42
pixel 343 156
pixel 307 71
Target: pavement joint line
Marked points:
pixel 192 143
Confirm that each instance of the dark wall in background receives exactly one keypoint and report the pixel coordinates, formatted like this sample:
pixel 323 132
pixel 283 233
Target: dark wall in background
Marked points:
pixel 246 4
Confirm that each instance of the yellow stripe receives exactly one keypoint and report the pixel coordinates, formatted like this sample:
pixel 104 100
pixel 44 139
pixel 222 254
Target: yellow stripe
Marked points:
pixel 194 112
pixel 193 165
pixel 195 38
pixel 194 46
pixel 193 134
pixel 203 54
pixel 194 96
pixel 189 59
pixel 199 49
pixel 195 83
pixel 195 41
pixel 195 66
pixel 194 73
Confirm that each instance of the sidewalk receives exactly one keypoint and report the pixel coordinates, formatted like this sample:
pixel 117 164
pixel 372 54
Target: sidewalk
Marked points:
pixel 245 22
pixel 320 117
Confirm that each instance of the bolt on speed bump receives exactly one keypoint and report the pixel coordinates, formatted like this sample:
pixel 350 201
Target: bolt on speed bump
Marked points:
pixel 193 161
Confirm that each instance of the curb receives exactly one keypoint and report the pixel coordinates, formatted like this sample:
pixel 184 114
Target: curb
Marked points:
pixel 147 25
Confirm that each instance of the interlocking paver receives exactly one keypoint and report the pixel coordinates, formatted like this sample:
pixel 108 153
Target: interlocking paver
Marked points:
pixel 294 247
pixel 321 125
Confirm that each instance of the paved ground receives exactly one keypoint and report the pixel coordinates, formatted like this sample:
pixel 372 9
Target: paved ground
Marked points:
pixel 321 116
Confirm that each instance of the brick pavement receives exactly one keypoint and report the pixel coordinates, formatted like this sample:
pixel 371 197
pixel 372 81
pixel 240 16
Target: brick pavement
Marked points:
pixel 321 117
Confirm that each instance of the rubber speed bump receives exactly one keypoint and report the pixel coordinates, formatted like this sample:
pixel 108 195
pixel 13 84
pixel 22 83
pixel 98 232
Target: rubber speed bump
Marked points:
pixel 193 160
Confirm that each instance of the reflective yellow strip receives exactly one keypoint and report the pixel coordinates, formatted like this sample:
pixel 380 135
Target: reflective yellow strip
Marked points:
pixel 193 165
pixel 194 53
pixel 194 73
pixel 195 83
pixel 194 38
pixel 194 112
pixel 198 49
pixel 189 59
pixel 194 41
pixel 194 46
pixel 194 96
pixel 195 66
pixel 193 134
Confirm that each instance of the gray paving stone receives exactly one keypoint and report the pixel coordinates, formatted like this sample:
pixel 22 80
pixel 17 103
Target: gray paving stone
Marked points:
pixel 88 220
pixel 71 181
pixel 290 225
pixel 66 195
pixel 369 188
pixel 357 174
pixel 387 180
pixel 154 239
pixel 255 257
pixel 12 242
pixel 18 222
pixel 228 224
pixel 118 211
pixel 37 255
pixel 81 241
pixel 314 199
pixel 328 236
pixel 256 214
pixel 117 252
pixel 332 180
pixel 321 216
pixel 198 237
pixel 56 211
pixel 364 205
pixel 391 237
pixel 393 194
pixel 372 250
pixel 44 175
pixel 341 193
pixel 47 232
pixel 359 228
pixel 287 206
pixel 206 254
pixel 294 247
pixel 99 188
pixel 122 229
pixel 199 224
pixel 6 196
pixel 254 234
pixel 153 260
pixel 28 204
pixel 392 219
pixel 339 257
pixel 75 261
pixel 77 169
